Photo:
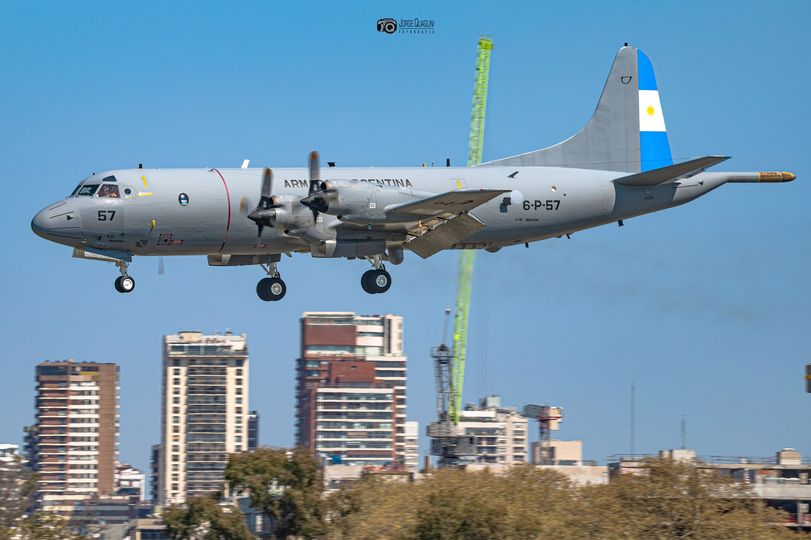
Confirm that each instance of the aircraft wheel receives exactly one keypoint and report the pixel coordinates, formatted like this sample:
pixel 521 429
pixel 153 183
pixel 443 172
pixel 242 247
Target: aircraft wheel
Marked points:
pixel 124 284
pixel 376 281
pixel 381 281
pixel 271 289
pixel 366 281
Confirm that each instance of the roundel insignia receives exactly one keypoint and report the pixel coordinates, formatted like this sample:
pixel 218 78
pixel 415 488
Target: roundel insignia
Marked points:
pixel 183 199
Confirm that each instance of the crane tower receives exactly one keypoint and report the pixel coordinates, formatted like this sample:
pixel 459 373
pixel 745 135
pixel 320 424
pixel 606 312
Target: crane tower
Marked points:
pixel 448 440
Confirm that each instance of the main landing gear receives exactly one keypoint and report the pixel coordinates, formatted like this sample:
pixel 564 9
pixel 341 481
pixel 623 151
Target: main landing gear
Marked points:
pixel 124 283
pixel 272 288
pixel 377 280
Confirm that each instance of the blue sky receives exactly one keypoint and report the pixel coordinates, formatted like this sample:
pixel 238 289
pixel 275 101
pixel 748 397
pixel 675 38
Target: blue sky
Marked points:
pixel 704 307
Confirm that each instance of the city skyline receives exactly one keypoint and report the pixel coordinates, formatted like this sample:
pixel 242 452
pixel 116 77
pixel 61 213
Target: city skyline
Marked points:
pixel 704 308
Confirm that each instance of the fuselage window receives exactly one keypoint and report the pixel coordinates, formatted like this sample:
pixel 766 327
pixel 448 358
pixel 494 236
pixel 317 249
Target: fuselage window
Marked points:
pixel 87 190
pixel 109 179
pixel 109 190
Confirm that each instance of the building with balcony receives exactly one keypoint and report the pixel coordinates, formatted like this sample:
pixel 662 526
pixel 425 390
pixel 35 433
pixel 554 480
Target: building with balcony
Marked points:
pixel 352 416
pixel 205 412
pixel 73 446
pixel 330 338
pixel 500 432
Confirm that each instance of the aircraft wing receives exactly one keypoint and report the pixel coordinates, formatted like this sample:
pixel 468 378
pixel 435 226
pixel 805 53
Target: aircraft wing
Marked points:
pixel 451 202
pixel 670 173
pixel 444 235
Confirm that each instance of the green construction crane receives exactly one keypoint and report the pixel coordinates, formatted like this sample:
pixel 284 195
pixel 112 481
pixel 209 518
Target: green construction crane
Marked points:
pixel 468 257
pixel 448 440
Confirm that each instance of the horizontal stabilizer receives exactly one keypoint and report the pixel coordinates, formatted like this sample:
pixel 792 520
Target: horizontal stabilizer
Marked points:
pixel 451 202
pixel 445 235
pixel 670 173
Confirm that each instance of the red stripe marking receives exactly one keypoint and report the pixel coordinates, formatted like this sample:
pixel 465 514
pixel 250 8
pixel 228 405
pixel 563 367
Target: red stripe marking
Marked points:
pixel 228 199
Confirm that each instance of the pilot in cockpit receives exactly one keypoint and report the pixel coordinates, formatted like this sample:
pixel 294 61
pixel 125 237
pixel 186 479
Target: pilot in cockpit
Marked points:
pixel 108 190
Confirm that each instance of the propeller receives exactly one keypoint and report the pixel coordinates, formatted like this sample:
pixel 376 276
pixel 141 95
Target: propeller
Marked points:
pixel 265 210
pixel 161 266
pixel 315 199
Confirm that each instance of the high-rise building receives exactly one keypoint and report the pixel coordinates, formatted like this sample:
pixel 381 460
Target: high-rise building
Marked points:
pixel 500 432
pixel 73 446
pixel 335 337
pixel 205 410
pixel 412 445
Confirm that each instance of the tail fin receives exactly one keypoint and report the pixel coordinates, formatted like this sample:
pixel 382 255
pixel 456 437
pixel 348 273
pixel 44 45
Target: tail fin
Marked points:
pixel 627 131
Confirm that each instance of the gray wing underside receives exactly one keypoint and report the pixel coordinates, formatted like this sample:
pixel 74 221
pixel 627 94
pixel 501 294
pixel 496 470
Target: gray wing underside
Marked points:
pixel 451 202
pixel 671 173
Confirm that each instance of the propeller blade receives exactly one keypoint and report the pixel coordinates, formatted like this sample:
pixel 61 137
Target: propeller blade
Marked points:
pixel 161 266
pixel 267 183
pixel 315 171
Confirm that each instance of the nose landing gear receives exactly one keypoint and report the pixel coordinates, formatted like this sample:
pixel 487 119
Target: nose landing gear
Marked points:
pixel 124 283
pixel 271 289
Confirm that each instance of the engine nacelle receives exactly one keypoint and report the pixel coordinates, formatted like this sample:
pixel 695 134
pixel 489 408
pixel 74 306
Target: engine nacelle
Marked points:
pixel 359 202
pixel 287 214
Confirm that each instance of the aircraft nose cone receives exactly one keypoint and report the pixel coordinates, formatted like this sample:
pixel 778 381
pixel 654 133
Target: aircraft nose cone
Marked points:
pixel 40 223
pixel 58 222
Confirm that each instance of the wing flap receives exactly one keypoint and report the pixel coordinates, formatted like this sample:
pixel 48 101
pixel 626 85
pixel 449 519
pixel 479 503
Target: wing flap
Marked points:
pixel 444 235
pixel 451 202
pixel 670 173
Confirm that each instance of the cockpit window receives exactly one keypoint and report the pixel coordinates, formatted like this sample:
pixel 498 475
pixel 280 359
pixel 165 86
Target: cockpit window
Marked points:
pixel 87 190
pixel 75 191
pixel 109 190
pixel 108 179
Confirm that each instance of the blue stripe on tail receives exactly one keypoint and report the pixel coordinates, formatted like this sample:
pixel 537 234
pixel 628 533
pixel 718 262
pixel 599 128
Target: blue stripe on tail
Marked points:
pixel 647 80
pixel 654 150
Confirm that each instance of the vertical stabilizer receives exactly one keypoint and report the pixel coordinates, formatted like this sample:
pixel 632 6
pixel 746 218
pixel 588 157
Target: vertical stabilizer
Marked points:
pixel 627 131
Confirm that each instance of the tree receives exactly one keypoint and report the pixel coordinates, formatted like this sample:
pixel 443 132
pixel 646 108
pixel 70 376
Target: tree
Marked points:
pixel 525 502
pixel 285 485
pixel 202 518
pixel 17 486
pixel 45 526
pixel 672 499
pixel 668 500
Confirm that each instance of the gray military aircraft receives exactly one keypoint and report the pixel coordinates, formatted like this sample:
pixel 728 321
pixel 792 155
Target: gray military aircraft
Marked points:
pixel 617 167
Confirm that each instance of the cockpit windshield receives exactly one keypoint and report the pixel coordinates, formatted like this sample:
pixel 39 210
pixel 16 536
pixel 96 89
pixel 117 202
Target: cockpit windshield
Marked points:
pixel 73 193
pixel 109 190
pixel 87 190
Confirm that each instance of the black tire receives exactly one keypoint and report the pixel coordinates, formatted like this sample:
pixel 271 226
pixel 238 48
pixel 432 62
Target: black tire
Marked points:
pixel 366 281
pixel 125 284
pixel 271 289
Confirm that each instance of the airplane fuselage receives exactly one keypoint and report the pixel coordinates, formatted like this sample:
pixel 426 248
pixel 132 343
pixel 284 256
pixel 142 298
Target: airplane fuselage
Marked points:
pixel 204 211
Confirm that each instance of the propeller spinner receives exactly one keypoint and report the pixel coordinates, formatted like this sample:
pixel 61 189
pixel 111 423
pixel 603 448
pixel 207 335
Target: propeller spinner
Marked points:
pixel 315 199
pixel 265 210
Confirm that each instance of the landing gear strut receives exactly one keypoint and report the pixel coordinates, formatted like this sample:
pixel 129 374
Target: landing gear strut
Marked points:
pixel 124 283
pixel 272 288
